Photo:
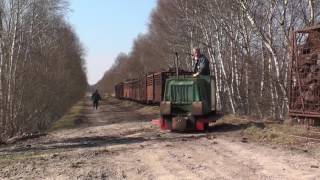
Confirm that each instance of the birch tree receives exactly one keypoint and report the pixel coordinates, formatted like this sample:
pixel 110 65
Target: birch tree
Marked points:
pixel 41 65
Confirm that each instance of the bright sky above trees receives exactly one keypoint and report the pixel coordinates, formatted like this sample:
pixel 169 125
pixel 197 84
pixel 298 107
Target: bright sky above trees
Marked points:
pixel 106 28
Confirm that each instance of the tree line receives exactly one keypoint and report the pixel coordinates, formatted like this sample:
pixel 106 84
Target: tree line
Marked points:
pixel 42 70
pixel 247 42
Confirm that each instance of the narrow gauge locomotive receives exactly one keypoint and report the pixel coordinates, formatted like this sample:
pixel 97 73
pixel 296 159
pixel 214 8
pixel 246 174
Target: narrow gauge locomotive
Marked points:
pixel 186 102
pixel 189 103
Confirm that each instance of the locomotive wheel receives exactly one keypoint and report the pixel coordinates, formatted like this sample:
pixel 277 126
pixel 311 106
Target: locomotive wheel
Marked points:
pixel 192 124
pixel 206 126
pixel 168 124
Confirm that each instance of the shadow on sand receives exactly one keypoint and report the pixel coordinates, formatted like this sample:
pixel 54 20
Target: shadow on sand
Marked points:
pixel 95 141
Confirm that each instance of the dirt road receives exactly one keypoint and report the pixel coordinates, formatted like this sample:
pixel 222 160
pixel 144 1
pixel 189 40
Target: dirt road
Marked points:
pixel 119 142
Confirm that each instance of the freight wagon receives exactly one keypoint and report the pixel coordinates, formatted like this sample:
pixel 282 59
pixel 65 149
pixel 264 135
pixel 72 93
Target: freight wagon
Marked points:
pixel 118 89
pixel 148 89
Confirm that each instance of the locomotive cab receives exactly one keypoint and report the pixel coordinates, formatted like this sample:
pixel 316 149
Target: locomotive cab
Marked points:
pixel 189 103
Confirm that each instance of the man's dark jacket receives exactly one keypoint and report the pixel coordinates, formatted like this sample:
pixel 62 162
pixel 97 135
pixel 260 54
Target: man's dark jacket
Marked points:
pixel 202 66
pixel 96 97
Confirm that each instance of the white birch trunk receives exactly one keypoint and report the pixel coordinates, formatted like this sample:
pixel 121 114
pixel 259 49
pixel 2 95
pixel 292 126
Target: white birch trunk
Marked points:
pixel 311 10
pixel 273 104
pixel 224 73
pixel 267 40
pixel 262 71
pixel 2 121
pixel 11 72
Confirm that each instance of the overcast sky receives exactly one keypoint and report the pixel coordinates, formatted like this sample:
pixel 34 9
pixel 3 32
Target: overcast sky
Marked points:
pixel 106 28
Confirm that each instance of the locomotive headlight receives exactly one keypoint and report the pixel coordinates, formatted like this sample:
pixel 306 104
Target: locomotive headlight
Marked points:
pixel 165 107
pixel 197 108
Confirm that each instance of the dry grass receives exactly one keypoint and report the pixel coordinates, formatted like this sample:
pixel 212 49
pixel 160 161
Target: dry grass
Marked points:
pixel 149 110
pixel 70 119
pixel 296 137
pixel 13 158
pixel 139 108
pixel 21 156
pixel 281 133
pixel 268 135
pixel 273 132
pixel 123 103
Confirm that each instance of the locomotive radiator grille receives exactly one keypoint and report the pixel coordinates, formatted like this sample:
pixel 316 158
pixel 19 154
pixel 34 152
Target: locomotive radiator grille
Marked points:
pixel 182 94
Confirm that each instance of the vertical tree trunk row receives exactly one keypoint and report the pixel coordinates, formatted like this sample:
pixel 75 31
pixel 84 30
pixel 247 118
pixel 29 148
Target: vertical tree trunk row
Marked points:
pixel 41 65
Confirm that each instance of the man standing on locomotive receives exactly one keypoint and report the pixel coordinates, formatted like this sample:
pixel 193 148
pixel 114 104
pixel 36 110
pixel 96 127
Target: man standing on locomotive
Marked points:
pixel 202 63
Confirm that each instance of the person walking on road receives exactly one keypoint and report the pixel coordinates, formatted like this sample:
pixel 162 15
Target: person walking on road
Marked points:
pixel 96 98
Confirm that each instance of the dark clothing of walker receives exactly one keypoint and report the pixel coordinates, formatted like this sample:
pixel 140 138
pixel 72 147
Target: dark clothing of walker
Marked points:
pixel 202 66
pixel 96 98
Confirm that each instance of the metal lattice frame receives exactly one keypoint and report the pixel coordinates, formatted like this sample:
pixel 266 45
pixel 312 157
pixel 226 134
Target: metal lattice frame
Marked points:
pixel 305 73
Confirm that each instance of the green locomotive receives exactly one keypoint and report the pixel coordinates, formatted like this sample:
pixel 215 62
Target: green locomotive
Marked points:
pixel 189 103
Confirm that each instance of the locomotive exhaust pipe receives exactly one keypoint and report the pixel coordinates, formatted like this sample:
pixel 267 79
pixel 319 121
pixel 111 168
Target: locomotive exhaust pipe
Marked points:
pixel 176 64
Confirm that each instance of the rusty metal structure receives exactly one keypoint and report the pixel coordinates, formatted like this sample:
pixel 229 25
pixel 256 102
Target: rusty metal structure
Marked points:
pixel 119 91
pixel 304 102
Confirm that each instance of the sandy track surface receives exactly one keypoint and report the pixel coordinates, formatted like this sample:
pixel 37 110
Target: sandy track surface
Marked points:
pixel 119 142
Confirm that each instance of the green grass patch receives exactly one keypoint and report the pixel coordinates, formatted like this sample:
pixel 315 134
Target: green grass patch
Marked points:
pixel 70 119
